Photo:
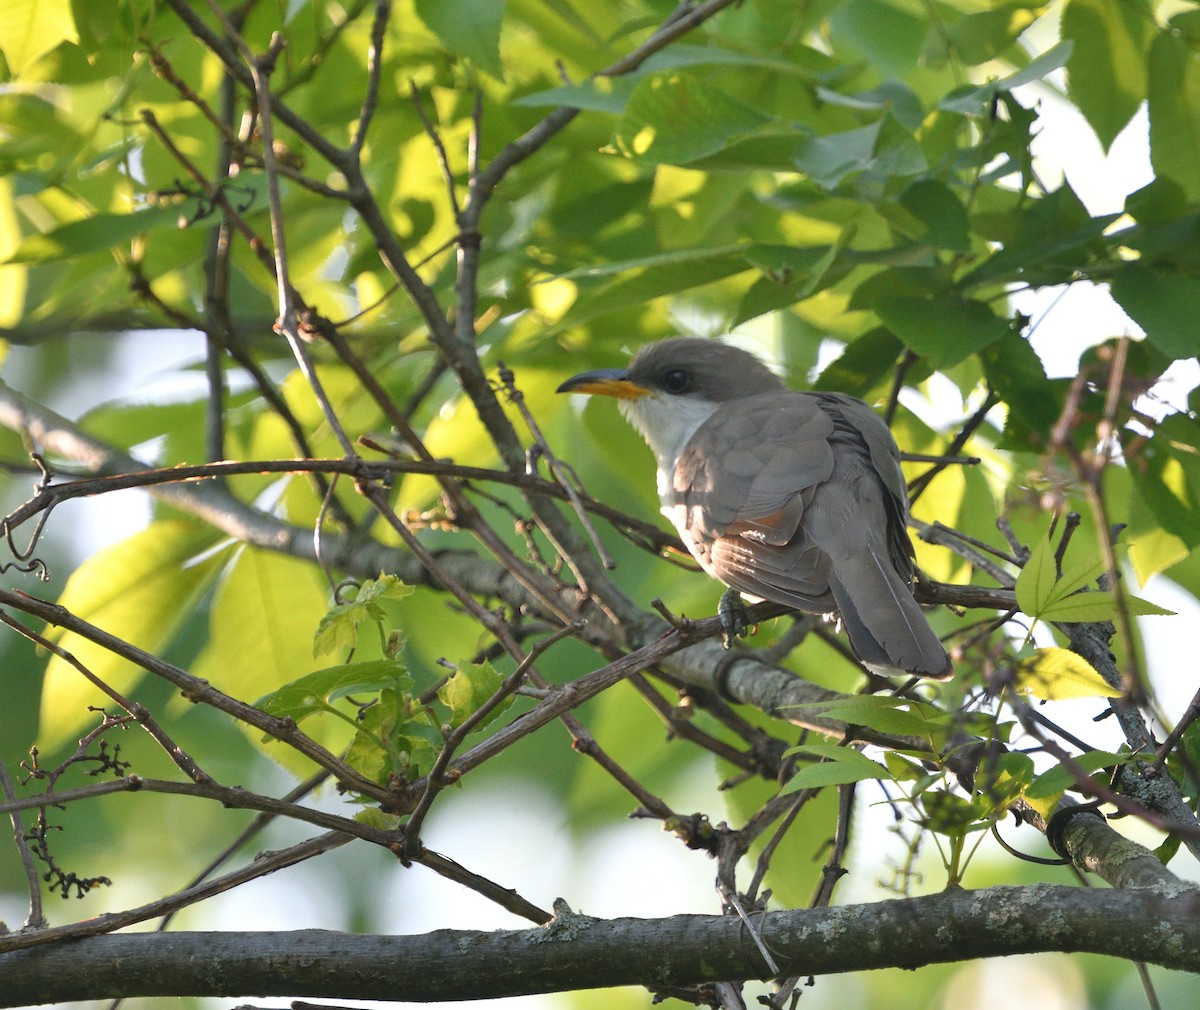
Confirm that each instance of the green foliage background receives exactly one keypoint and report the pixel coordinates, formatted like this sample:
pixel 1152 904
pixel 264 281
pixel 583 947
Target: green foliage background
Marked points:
pixel 855 171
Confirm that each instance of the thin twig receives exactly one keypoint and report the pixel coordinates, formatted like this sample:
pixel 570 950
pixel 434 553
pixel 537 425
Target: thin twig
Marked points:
pixel 36 919
pixel 177 754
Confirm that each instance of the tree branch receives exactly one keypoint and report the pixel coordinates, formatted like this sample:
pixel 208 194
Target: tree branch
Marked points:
pixel 575 952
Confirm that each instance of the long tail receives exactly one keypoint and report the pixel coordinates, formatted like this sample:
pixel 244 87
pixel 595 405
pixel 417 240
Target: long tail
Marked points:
pixel 886 626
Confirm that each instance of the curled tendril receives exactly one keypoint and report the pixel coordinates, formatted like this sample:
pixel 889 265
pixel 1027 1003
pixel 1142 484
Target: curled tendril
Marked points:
pixel 26 567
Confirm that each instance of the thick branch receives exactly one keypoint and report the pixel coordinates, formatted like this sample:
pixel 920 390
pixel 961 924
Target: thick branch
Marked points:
pixel 577 952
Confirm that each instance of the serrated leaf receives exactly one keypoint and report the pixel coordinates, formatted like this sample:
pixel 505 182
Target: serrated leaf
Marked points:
pixel 1106 74
pixel 1055 674
pixel 338 629
pixel 316 691
pixel 468 689
pixel 1174 80
pixel 1163 302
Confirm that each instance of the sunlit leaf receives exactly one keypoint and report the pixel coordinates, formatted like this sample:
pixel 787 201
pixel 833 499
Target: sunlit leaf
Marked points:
pixel 339 627
pixel 91 234
pixel 1174 104
pixel 140 590
pixel 471 685
pixel 262 620
pixel 31 28
pixel 674 118
pixel 899 716
pixel 1054 674
pixel 1106 74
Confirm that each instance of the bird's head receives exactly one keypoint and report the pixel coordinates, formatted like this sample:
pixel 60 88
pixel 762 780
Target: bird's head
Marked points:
pixel 671 387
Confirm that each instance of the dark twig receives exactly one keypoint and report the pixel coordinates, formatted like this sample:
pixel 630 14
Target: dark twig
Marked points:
pixel 917 486
pixel 36 919
pixel 177 754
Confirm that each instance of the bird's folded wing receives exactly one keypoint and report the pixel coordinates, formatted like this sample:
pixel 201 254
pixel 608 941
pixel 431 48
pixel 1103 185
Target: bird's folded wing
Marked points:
pixel 747 469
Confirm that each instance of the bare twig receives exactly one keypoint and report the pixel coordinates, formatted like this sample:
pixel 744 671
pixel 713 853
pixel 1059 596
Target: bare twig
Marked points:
pixel 36 918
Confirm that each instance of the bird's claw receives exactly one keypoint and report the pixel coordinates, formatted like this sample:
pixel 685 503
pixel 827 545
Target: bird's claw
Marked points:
pixel 735 617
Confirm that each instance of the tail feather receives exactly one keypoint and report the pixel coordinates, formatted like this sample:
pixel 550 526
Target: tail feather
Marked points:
pixel 886 626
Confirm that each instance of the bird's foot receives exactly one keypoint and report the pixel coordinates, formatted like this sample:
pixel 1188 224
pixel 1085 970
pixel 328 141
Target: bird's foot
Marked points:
pixel 735 617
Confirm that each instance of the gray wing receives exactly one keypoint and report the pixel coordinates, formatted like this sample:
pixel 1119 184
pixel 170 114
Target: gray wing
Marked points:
pixel 799 498
pixel 742 487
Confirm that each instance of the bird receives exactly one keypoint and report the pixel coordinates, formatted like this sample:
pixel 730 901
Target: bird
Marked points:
pixel 793 497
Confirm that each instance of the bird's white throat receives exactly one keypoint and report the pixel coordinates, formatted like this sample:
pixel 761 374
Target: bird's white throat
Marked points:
pixel 667 423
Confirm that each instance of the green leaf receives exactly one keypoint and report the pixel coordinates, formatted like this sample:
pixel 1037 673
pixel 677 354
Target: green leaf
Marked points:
pixel 1036 581
pixel 1174 102
pixel 141 589
pixel 1048 242
pixel 93 234
pixel 338 629
pixel 939 209
pixel 670 258
pixel 1000 781
pixel 674 118
pixel 396 737
pixel 31 28
pixel 863 364
pixel 262 620
pixel 1055 674
pixel 841 766
pixel 1053 783
pixel 903 769
pixel 1106 74
pixel 943 330
pixel 468 689
pixel 1043 595
pixel 977 38
pixel 1166 304
pixel 317 691
pixel 673 273
pixel 601 94
pixel 950 814
pixel 829 159
pixel 975 100
pixel 1100 606
pixel 1166 474
pixel 470 28
pixel 1016 373
pixel 899 716
pixel 373 817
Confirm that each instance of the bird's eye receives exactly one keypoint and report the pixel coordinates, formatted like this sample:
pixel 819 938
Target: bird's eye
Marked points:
pixel 677 380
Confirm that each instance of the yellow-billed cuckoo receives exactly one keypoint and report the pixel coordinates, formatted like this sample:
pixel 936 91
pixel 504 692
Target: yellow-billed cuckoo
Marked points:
pixel 791 497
